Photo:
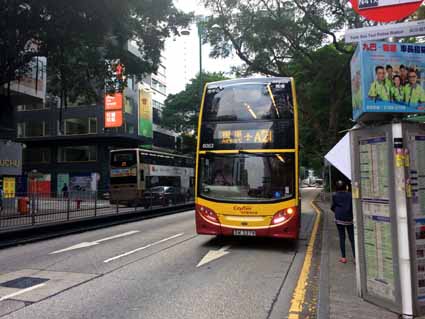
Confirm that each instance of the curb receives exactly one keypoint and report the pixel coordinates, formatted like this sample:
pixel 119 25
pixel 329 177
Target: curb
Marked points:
pixel 32 234
pixel 298 296
pixel 324 288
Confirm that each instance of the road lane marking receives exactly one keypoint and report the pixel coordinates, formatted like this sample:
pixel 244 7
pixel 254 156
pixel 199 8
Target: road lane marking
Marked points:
pixel 298 296
pixel 94 243
pixel 143 248
pixel 20 292
pixel 213 255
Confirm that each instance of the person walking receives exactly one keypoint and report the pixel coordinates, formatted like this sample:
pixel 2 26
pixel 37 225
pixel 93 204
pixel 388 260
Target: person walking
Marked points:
pixel 342 206
pixel 65 190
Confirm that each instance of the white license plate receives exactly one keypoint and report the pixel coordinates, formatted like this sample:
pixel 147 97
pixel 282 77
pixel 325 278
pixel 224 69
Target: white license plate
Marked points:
pixel 240 232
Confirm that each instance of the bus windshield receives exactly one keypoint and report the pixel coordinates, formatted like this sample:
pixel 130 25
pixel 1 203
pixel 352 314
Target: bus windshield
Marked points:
pixel 247 177
pixel 123 158
pixel 248 102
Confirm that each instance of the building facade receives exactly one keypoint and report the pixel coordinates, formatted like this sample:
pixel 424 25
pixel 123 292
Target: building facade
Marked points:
pixel 71 146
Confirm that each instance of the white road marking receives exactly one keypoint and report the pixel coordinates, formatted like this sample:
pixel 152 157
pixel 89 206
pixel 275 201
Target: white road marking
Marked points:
pixel 20 292
pixel 213 255
pixel 142 248
pixel 94 243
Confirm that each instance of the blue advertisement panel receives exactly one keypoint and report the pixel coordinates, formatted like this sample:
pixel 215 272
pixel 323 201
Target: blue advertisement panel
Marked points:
pixel 388 78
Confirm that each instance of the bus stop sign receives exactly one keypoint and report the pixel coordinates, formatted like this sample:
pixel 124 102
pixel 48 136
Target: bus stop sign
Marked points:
pixel 385 10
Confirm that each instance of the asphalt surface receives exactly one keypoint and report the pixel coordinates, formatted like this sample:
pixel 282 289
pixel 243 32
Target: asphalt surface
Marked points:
pixel 148 269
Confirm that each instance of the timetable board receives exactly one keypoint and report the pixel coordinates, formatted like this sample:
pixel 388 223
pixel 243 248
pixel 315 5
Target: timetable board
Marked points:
pixel 378 247
pixel 416 147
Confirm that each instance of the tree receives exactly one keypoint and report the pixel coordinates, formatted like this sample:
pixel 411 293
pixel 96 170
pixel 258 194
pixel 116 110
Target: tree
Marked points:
pixel 295 38
pixel 77 36
pixel 182 109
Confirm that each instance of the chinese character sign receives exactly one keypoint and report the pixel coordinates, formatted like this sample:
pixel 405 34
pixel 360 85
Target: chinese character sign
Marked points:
pixel 113 119
pixel 388 78
pixel 254 136
pixel 113 110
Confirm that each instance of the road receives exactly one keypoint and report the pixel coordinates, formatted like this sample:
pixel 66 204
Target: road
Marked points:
pixel 157 268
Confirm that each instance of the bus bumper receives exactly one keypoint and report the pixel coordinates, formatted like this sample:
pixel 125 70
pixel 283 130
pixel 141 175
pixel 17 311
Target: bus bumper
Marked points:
pixel 288 230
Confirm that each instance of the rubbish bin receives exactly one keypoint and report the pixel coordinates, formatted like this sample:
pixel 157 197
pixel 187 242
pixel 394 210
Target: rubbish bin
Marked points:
pixel 23 205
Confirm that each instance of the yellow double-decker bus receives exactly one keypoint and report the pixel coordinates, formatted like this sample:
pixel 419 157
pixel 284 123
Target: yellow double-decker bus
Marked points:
pixel 247 159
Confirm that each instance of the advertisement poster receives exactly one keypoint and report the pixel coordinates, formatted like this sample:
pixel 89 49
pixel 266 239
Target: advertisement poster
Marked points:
pixel 145 114
pixel 113 110
pixel 9 185
pixel 388 78
pixel 40 184
pixel 62 180
pixel 80 182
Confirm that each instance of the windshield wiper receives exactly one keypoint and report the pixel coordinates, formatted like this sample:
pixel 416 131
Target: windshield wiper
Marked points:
pixel 256 154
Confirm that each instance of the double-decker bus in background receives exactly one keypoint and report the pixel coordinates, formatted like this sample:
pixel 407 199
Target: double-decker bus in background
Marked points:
pixel 144 177
pixel 247 159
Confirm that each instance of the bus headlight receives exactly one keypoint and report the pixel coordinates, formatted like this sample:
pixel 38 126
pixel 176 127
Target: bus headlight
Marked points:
pixel 207 213
pixel 283 215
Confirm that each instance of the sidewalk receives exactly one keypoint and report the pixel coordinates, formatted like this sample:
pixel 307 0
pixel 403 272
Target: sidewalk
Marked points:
pixel 338 296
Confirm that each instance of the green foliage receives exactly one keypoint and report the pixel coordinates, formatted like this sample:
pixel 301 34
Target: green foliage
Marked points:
pixel 79 36
pixel 324 96
pixel 295 38
pixel 182 109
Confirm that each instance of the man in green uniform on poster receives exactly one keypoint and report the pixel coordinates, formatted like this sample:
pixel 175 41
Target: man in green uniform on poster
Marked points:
pixel 379 90
pixel 413 92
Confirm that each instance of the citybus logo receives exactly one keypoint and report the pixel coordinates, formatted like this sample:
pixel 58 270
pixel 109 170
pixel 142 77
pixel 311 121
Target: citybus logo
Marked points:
pixel 242 208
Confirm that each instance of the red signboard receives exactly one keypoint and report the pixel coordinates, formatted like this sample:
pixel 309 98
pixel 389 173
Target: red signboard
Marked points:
pixel 385 10
pixel 113 119
pixel 113 110
pixel 113 102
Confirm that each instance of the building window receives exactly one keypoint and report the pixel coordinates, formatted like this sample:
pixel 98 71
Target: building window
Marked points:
pixel 129 128
pixel 158 105
pixel 33 107
pixel 36 155
pixel 156 116
pixel 32 129
pixel 79 126
pixel 164 140
pixel 77 154
pixel 128 105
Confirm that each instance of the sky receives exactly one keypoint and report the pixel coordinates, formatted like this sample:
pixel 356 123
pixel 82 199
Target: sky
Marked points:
pixel 182 53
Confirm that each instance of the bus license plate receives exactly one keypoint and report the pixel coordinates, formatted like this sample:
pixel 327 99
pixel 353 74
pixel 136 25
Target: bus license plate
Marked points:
pixel 239 232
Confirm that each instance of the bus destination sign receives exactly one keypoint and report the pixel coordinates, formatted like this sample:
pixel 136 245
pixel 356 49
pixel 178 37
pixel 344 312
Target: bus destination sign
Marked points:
pixel 252 136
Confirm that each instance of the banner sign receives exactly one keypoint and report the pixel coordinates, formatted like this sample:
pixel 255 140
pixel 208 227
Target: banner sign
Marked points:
pixel 10 158
pixel 407 29
pixel 145 114
pixel 113 110
pixel 385 10
pixel 388 78
pixel 113 102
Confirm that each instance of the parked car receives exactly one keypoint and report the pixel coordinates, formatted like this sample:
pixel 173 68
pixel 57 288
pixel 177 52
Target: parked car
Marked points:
pixel 164 195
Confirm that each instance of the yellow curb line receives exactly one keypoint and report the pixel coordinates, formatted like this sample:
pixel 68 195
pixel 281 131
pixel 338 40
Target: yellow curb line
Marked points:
pixel 298 296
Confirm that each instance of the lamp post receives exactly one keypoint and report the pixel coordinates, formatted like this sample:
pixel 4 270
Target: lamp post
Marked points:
pixel 201 77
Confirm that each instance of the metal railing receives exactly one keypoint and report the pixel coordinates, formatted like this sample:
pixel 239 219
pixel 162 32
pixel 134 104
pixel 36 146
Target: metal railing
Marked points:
pixel 24 210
